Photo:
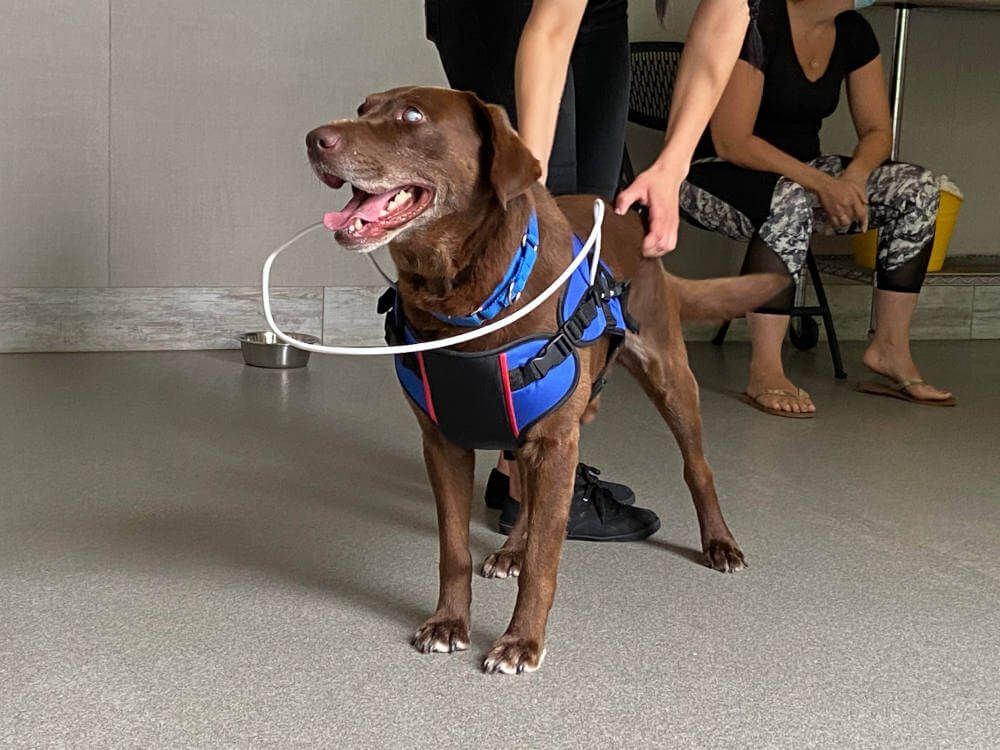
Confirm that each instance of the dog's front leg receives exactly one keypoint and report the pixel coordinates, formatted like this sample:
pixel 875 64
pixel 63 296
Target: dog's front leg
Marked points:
pixel 548 464
pixel 450 470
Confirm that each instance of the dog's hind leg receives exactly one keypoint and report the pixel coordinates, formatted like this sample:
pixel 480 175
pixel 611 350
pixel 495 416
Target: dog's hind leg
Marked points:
pixel 450 470
pixel 670 384
pixel 548 467
pixel 657 358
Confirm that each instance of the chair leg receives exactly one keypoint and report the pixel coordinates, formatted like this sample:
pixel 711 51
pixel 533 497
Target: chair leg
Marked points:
pixel 720 335
pixel 824 305
pixel 626 175
pixel 872 318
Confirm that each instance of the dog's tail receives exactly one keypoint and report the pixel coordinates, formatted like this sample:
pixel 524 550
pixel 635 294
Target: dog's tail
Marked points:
pixel 724 299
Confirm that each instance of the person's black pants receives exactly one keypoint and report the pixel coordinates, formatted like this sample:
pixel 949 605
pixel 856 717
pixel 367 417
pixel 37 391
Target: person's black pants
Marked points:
pixel 477 42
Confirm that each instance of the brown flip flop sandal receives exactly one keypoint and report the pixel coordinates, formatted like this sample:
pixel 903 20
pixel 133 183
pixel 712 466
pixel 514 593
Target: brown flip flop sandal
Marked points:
pixel 899 390
pixel 754 401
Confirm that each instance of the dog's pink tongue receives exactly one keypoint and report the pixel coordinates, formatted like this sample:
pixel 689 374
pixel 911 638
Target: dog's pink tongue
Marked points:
pixel 360 206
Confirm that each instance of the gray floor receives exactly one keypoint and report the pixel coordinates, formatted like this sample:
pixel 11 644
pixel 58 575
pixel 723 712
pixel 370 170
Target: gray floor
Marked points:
pixel 196 553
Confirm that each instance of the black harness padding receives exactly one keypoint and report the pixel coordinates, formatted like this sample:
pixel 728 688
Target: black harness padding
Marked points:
pixel 489 399
pixel 470 405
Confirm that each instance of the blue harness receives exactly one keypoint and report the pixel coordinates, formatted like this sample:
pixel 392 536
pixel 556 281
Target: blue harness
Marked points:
pixel 490 399
pixel 511 285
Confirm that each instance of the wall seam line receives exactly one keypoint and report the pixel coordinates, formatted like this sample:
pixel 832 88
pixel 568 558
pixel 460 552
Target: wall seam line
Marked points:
pixel 108 256
pixel 972 314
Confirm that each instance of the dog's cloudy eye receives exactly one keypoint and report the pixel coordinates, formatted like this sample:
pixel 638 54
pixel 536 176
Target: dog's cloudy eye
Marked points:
pixel 412 114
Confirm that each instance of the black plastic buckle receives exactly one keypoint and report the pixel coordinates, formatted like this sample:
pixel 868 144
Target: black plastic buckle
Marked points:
pixel 555 352
pixel 604 290
pixel 562 345
pixel 581 318
pixel 616 290
pixel 573 329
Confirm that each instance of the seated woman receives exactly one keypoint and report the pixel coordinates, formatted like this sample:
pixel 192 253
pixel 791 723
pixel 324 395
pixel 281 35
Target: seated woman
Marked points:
pixel 761 177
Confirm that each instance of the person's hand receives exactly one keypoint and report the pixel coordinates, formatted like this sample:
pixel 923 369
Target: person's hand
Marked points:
pixel 657 188
pixel 858 181
pixel 844 201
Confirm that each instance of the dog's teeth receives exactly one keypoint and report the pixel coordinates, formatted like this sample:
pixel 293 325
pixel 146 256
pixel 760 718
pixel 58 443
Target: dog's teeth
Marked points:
pixel 399 199
pixel 357 225
pixel 382 213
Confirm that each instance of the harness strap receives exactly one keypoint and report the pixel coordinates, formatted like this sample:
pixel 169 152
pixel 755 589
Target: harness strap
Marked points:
pixel 510 287
pixel 568 338
pixel 605 293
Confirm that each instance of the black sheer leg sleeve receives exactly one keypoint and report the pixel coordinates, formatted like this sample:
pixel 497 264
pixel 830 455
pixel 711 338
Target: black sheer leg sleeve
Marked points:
pixel 903 203
pixel 762 259
pixel 906 277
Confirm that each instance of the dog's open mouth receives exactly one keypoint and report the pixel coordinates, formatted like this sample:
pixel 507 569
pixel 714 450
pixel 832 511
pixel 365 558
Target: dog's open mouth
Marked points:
pixel 370 216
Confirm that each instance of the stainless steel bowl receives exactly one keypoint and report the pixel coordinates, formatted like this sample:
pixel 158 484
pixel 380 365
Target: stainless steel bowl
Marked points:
pixel 264 349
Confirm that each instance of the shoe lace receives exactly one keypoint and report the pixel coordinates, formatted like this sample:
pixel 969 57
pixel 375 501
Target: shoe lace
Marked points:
pixel 593 493
pixel 587 473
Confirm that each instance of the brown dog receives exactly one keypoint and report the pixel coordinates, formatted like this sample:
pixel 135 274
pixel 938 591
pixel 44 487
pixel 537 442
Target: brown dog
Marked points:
pixel 444 180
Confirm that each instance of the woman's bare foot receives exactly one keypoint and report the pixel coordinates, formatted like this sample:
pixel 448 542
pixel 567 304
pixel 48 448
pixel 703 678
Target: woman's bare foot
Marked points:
pixel 760 383
pixel 766 373
pixel 897 365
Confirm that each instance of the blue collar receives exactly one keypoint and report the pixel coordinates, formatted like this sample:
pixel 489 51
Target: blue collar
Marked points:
pixel 510 288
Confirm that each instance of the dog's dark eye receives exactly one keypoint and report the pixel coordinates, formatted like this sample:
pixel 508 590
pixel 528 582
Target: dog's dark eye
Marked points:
pixel 411 114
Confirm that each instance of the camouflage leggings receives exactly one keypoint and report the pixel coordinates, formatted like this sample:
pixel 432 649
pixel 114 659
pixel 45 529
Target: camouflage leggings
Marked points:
pixel 902 203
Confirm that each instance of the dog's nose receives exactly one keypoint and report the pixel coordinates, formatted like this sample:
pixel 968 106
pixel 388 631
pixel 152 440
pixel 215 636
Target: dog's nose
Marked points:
pixel 325 138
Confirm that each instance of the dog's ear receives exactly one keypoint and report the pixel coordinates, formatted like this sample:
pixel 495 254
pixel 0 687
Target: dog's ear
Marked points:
pixel 512 167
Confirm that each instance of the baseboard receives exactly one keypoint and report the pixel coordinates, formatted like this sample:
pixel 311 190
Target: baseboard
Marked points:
pixel 124 319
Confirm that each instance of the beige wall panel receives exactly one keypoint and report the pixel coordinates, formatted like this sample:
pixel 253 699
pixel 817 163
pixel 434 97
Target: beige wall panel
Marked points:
pixel 211 103
pixel 54 143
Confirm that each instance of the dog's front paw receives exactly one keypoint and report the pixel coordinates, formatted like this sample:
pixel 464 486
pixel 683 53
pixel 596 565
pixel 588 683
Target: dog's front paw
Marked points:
pixel 504 563
pixel 725 556
pixel 513 655
pixel 442 636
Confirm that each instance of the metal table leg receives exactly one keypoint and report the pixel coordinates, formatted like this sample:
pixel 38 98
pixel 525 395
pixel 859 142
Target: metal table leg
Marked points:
pixel 900 38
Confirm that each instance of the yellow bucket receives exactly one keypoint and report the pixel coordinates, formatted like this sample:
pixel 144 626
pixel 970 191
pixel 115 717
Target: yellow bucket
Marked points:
pixel 865 246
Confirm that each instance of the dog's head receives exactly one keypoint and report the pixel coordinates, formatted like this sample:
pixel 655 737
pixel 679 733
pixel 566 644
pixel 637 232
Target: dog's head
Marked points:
pixel 416 155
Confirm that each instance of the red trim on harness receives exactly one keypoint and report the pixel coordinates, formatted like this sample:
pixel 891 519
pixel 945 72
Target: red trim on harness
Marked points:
pixel 508 399
pixel 427 388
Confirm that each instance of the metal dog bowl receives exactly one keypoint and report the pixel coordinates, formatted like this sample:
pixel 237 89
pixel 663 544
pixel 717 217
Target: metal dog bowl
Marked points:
pixel 264 349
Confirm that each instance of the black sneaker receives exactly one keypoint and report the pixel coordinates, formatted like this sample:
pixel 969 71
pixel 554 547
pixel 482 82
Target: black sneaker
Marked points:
pixel 588 475
pixel 594 516
pixel 498 487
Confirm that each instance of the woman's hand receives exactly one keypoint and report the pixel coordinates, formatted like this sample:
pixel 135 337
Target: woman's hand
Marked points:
pixel 859 182
pixel 713 45
pixel 657 188
pixel 843 200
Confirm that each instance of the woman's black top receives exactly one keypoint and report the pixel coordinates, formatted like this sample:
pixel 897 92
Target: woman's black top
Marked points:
pixel 792 108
